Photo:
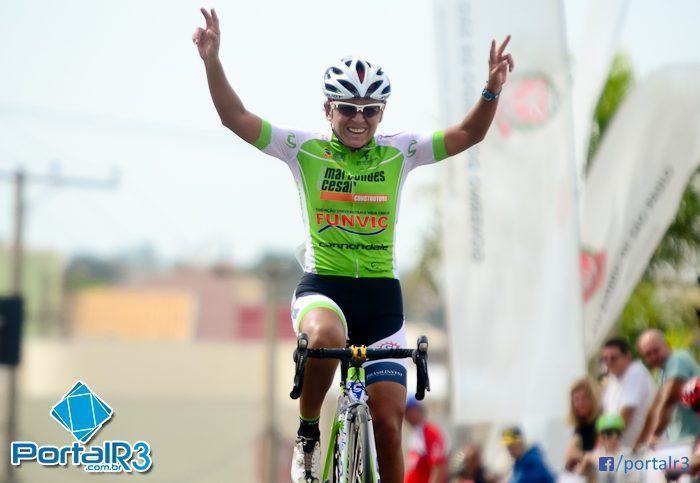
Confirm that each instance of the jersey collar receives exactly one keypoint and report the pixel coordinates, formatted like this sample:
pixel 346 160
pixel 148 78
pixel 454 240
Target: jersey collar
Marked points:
pixel 355 161
pixel 338 145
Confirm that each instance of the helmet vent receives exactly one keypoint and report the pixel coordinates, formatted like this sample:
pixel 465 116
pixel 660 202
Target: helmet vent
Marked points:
pixel 373 87
pixel 360 68
pixel 348 85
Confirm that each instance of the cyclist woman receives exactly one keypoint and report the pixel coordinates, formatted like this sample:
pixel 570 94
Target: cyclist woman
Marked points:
pixel 349 183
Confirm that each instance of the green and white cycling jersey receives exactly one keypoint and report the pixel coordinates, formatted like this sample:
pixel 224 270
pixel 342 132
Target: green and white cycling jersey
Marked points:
pixel 350 198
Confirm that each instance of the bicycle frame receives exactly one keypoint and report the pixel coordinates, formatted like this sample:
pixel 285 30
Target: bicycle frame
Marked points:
pixel 353 394
pixel 352 402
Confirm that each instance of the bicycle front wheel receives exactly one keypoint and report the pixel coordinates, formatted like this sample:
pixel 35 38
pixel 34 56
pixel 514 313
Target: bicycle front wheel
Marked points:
pixel 360 467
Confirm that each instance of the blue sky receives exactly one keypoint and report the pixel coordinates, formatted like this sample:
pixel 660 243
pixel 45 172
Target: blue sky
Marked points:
pixel 86 90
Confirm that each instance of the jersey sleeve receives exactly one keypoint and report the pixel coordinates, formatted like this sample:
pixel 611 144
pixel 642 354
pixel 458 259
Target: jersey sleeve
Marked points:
pixel 280 142
pixel 419 148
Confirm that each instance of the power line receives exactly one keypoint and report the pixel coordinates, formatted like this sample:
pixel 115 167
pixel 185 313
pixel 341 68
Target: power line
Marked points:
pixel 59 180
pixel 111 122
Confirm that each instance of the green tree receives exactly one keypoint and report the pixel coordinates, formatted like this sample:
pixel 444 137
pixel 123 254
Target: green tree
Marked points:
pixel 618 84
pixel 681 244
pixel 656 305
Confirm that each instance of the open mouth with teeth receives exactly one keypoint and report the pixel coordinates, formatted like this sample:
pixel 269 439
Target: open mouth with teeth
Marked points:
pixel 357 130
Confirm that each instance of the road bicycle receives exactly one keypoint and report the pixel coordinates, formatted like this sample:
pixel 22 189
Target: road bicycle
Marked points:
pixel 351 455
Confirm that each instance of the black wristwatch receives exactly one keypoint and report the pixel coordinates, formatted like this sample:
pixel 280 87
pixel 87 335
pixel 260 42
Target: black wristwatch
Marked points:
pixel 488 95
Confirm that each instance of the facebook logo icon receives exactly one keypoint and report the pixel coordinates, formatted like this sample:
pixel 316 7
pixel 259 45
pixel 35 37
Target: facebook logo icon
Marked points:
pixel 606 463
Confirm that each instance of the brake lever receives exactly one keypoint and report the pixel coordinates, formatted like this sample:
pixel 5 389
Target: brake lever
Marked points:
pixel 426 377
pixel 300 356
pixel 420 358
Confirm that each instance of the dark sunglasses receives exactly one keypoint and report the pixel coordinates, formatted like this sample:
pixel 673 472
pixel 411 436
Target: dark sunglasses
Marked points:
pixel 348 109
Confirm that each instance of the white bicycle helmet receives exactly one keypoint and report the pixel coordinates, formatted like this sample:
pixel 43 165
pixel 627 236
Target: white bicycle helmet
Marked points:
pixel 354 78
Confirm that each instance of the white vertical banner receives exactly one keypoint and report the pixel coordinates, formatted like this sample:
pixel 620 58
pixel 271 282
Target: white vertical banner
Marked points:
pixel 633 190
pixel 510 222
pixel 591 65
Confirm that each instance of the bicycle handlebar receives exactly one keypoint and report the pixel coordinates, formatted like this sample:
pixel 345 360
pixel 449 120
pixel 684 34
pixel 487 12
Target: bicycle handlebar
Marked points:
pixel 371 354
pixel 358 355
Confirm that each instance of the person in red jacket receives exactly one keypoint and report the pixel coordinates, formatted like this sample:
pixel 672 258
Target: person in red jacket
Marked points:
pixel 427 455
pixel 690 398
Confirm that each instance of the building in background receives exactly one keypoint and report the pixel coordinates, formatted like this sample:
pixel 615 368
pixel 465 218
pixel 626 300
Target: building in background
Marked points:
pixel 128 313
pixel 183 303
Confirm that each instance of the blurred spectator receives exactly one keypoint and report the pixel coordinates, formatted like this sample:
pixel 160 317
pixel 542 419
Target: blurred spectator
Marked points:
pixel 584 409
pixel 470 468
pixel 427 455
pixel 630 389
pixel 528 463
pixel 610 428
pixel 690 398
pixel 665 414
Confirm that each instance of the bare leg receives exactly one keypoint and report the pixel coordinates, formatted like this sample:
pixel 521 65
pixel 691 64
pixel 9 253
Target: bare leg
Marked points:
pixel 387 402
pixel 325 329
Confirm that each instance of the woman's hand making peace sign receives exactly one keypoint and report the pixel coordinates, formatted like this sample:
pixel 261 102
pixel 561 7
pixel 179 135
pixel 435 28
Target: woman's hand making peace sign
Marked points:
pixel 499 66
pixel 207 40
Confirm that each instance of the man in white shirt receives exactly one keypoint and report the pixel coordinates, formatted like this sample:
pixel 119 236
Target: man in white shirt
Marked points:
pixel 630 389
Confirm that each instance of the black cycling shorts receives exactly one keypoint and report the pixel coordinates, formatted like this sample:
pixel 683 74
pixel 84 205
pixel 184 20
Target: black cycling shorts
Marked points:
pixel 372 309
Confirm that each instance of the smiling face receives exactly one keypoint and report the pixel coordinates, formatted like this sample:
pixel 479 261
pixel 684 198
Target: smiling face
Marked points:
pixel 357 130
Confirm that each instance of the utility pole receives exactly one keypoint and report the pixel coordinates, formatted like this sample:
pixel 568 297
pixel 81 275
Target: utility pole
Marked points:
pixel 272 274
pixel 18 232
pixel 19 179
pixel 15 289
